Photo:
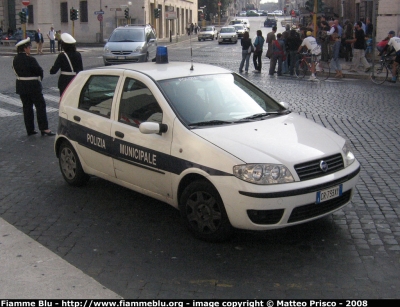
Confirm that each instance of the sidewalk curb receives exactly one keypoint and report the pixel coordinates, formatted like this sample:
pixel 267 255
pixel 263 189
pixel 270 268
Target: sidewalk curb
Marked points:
pixel 28 270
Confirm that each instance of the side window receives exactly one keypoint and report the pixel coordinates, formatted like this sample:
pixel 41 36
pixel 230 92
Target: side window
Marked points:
pixel 97 95
pixel 138 104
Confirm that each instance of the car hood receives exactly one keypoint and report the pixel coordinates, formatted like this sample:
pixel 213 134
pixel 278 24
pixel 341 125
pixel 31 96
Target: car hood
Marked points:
pixel 206 32
pixel 288 139
pixel 116 46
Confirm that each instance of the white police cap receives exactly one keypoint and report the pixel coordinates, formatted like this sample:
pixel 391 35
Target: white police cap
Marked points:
pixel 23 42
pixel 67 38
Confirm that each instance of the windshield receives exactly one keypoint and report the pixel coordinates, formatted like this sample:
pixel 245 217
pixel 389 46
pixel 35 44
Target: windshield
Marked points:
pixel 239 27
pixel 206 29
pixel 218 99
pixel 227 30
pixel 127 35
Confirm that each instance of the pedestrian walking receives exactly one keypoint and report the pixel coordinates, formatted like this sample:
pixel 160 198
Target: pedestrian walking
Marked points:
pixel 359 49
pixel 348 35
pixel 69 62
pixel 29 88
pixel 39 41
pixel 246 52
pixel 270 38
pixel 278 55
pixel 292 45
pixel 285 63
pixel 258 50
pixel 52 37
pixel 59 41
pixel 335 63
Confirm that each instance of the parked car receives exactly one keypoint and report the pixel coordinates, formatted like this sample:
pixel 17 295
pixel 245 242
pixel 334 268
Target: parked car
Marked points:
pixel 208 32
pixel 130 44
pixel 270 22
pixel 243 13
pixel 206 141
pixel 227 35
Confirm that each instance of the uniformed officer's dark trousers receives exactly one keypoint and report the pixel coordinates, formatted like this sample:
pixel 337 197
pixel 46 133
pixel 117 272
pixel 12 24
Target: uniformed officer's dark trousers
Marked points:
pixel 37 100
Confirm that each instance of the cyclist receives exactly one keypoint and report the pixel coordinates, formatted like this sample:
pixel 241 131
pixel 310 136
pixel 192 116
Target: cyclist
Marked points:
pixel 311 43
pixel 394 42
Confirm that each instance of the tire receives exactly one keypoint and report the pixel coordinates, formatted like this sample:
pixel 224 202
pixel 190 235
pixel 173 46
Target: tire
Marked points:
pixel 380 74
pixel 70 166
pixel 324 73
pixel 203 212
pixel 300 69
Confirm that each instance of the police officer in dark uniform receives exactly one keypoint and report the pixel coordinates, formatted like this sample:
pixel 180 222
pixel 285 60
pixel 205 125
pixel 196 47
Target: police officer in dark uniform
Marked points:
pixel 29 87
pixel 69 62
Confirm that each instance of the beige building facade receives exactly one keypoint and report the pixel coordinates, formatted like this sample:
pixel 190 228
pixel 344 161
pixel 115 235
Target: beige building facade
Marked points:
pixel 98 18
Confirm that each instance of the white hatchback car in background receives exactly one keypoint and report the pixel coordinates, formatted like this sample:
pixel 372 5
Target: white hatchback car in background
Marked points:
pixel 206 141
pixel 208 32
pixel 227 35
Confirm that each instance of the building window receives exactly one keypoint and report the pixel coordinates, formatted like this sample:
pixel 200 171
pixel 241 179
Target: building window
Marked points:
pixel 64 11
pixel 30 14
pixel 83 11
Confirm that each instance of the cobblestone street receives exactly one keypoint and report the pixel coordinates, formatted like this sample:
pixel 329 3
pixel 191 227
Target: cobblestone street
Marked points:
pixel 137 247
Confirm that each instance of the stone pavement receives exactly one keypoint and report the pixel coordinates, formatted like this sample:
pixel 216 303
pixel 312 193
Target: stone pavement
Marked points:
pixel 28 270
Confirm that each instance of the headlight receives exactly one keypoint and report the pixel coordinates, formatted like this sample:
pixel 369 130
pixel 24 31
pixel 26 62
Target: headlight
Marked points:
pixel 263 173
pixel 137 50
pixel 348 154
pixel 106 49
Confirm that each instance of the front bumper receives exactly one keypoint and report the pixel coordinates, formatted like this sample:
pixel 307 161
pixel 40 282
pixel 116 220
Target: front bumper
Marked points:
pixel 255 207
pixel 120 59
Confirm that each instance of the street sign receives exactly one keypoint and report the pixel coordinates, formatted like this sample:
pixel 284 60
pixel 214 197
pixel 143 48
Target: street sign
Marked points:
pixel 25 2
pixel 99 12
pixel 100 17
pixel 170 15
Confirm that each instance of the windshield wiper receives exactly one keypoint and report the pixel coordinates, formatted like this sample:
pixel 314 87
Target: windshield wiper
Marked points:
pixel 264 114
pixel 210 123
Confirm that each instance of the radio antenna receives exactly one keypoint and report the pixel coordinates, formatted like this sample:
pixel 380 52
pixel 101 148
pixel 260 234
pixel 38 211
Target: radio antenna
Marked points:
pixel 191 51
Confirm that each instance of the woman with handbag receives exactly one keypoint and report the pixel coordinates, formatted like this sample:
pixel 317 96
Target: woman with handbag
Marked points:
pixel 278 55
pixel 247 49
pixel 258 45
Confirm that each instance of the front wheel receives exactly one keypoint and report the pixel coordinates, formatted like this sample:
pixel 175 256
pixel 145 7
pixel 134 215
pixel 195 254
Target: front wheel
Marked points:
pixel 322 70
pixel 203 212
pixel 70 166
pixel 380 74
pixel 300 69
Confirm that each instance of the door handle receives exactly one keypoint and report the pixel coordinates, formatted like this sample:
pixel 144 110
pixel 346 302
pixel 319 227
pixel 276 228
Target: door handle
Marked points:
pixel 77 118
pixel 119 134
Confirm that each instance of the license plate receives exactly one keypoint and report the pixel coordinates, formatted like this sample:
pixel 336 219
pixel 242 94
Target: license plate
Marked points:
pixel 121 58
pixel 330 193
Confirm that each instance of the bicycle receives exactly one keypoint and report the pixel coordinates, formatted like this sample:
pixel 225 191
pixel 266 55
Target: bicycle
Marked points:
pixel 381 72
pixel 303 67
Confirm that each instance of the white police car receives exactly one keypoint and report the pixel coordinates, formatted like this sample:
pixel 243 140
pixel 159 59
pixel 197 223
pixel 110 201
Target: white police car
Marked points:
pixel 205 140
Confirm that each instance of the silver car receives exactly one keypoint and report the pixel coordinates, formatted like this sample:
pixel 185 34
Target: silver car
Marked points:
pixel 130 44
pixel 208 32
pixel 227 35
pixel 240 29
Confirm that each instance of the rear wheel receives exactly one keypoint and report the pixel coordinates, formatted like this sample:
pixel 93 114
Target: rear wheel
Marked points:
pixel 322 70
pixel 300 69
pixel 70 165
pixel 380 74
pixel 203 212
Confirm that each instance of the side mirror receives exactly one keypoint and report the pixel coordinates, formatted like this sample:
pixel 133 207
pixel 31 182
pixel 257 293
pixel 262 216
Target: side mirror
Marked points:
pixel 284 104
pixel 152 128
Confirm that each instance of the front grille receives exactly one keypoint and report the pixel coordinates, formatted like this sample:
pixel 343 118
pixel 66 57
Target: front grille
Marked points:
pixel 265 217
pixel 312 210
pixel 121 52
pixel 311 169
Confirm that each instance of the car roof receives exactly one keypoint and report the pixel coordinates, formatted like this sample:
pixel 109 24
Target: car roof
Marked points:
pixel 170 70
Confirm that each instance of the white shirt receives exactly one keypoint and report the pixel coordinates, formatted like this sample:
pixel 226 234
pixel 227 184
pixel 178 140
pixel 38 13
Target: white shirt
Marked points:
pixel 52 35
pixel 311 44
pixel 395 42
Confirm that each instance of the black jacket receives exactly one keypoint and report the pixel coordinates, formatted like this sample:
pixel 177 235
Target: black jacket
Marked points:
pixel 37 40
pixel 62 64
pixel 27 66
